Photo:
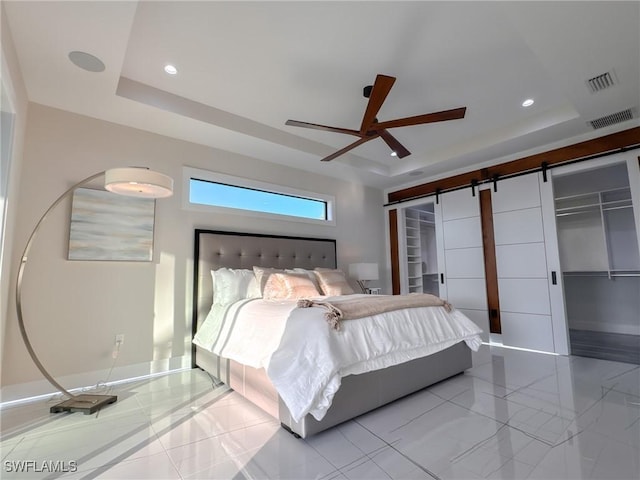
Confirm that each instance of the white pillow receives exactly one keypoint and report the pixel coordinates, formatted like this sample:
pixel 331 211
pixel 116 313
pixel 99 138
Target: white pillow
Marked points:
pixel 231 285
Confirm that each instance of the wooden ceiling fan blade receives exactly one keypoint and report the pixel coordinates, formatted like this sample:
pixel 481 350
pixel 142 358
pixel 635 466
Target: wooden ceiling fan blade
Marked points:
pixel 315 126
pixel 445 115
pixel 381 89
pixel 349 147
pixel 394 144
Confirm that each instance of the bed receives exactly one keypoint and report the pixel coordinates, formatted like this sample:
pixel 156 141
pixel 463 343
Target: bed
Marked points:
pixel 357 393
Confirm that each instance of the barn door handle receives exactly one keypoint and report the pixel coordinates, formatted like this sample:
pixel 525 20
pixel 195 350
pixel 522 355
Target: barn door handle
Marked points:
pixel 554 278
pixel 442 278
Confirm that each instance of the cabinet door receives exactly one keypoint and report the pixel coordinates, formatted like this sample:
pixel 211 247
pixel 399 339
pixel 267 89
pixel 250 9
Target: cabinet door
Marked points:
pixel 524 278
pixel 552 251
pixel 439 231
pixel 462 253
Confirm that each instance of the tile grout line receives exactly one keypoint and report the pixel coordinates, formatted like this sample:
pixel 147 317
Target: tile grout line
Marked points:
pixel 417 417
pixel 164 449
pixel 424 469
pixel 365 455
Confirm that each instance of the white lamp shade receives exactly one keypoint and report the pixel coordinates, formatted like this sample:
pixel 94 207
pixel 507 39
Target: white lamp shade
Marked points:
pixel 138 182
pixel 364 271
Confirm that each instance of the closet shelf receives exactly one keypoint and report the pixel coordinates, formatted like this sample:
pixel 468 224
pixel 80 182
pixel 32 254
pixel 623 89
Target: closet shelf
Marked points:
pixel 419 248
pixel 602 273
pixel 625 190
pixel 593 202
pixel 593 208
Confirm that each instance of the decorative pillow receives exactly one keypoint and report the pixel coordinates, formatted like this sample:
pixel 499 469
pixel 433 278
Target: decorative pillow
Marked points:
pixel 312 276
pixel 231 285
pixel 333 282
pixel 289 286
pixel 262 275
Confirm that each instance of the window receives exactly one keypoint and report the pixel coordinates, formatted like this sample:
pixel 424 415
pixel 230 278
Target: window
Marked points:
pixel 210 190
pixel 206 192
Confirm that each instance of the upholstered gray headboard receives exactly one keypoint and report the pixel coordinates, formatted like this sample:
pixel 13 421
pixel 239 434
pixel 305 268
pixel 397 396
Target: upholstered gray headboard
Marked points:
pixel 215 249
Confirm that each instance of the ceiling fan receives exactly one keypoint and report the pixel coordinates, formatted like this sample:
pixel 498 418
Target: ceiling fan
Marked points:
pixel 371 128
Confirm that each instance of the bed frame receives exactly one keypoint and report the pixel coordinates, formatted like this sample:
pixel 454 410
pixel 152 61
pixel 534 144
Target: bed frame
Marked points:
pixel 358 394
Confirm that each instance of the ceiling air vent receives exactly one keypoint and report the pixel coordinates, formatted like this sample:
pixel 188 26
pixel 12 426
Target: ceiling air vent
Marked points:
pixel 612 119
pixel 601 82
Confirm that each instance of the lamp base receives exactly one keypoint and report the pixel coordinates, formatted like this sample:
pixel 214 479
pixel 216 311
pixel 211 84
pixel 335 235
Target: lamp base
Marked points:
pixel 84 403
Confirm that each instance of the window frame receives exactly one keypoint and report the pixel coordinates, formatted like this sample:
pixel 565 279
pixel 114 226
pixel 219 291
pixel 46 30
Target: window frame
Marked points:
pixel 189 173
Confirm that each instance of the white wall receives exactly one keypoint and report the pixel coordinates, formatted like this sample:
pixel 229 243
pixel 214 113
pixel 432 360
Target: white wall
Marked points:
pixel 74 309
pixel 13 86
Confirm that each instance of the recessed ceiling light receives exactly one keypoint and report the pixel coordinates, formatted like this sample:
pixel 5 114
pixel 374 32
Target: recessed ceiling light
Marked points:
pixel 528 102
pixel 86 61
pixel 394 154
pixel 170 69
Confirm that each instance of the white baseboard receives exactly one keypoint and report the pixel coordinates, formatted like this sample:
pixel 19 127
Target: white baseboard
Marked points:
pixel 23 391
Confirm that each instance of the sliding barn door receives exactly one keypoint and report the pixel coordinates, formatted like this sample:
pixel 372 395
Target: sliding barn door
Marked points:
pixel 530 291
pixel 463 272
pixel 494 262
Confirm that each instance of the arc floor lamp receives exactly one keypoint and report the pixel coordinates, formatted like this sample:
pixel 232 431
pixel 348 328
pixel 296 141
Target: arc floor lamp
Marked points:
pixel 129 181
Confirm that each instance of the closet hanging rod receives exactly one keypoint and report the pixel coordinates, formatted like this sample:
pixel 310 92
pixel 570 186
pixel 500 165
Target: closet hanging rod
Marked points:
pixel 607 204
pixel 617 208
pixel 602 274
pixel 587 209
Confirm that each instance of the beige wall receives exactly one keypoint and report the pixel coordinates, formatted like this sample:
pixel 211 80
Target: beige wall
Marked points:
pixel 13 86
pixel 75 309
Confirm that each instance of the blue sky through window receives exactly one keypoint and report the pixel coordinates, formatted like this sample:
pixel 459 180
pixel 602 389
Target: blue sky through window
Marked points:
pixel 221 195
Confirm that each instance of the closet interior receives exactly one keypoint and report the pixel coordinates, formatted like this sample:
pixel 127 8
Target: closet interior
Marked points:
pixel 600 262
pixel 421 250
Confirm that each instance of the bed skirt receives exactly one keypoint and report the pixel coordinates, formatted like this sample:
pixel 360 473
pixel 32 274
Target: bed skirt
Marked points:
pixel 357 395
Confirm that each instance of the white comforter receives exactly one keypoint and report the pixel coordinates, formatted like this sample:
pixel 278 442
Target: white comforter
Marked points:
pixel 305 359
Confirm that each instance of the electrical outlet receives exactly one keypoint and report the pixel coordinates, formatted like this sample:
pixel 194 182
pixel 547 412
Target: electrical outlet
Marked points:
pixel 120 339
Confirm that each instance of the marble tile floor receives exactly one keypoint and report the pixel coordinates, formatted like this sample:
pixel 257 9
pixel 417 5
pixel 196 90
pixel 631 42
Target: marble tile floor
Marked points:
pixel 514 415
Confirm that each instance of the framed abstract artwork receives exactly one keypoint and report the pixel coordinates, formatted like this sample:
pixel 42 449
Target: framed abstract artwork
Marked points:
pixel 105 226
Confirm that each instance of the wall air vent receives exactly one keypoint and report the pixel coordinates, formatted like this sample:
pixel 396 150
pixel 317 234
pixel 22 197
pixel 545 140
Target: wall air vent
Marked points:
pixel 612 119
pixel 601 82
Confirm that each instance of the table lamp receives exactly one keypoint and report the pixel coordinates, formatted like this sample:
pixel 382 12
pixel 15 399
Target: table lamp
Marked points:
pixel 363 272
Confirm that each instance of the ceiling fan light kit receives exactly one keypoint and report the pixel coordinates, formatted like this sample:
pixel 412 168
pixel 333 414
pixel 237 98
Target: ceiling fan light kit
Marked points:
pixel 370 128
